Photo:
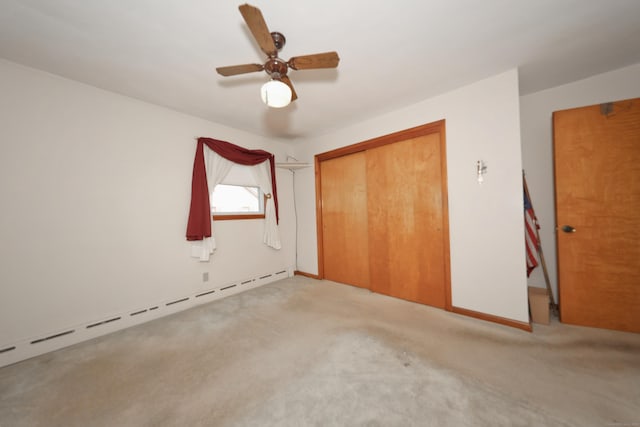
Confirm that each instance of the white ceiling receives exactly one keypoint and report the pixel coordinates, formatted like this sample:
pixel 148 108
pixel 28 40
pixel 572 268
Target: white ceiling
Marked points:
pixel 393 53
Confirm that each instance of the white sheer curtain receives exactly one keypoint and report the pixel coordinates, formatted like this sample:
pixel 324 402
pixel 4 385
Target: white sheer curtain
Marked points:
pixel 262 175
pixel 217 168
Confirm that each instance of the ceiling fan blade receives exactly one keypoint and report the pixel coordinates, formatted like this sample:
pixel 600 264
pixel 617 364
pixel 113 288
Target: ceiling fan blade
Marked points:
pixel 319 60
pixel 253 17
pixel 287 81
pixel 239 69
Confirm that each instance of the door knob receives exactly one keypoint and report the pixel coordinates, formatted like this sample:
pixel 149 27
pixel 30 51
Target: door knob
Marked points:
pixel 568 229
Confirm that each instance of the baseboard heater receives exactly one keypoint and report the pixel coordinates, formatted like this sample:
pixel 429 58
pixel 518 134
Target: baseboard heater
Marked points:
pixel 4 350
pixel 204 294
pixel 27 348
pixel 93 325
pixel 177 301
pixel 61 334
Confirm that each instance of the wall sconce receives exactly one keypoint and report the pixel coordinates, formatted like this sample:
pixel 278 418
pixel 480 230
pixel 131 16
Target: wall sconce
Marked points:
pixel 481 169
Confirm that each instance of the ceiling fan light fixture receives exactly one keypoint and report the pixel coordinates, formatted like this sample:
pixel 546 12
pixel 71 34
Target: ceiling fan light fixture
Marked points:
pixel 276 94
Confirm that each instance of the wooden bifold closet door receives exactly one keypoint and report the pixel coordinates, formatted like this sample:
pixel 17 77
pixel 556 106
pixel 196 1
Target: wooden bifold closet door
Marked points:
pixel 383 215
pixel 346 247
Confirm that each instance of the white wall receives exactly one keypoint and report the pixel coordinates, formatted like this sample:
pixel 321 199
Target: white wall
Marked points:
pixel 488 273
pixel 537 146
pixel 95 191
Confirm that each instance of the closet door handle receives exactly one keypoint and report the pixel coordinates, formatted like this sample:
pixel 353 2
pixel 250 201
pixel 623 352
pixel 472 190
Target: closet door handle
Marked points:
pixel 568 229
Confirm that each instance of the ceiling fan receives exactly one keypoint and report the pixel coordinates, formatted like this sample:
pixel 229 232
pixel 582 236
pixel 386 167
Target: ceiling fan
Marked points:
pixel 279 91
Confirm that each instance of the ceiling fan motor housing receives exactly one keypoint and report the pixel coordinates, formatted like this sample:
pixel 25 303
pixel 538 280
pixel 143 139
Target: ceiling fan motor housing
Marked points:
pixel 276 67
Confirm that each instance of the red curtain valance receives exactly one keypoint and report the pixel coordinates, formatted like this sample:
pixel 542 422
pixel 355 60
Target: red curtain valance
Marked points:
pixel 199 225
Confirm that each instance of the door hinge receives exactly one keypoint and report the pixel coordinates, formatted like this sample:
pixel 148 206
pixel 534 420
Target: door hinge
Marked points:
pixel 606 108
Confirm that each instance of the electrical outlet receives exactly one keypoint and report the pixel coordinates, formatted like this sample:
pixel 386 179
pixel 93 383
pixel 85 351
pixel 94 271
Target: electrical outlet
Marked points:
pixel 205 276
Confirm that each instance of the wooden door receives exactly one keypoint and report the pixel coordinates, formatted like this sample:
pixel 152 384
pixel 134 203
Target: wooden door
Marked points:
pixel 405 215
pixel 597 172
pixel 344 219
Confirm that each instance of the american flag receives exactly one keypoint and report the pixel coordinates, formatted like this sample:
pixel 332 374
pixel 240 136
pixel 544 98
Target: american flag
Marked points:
pixel 532 243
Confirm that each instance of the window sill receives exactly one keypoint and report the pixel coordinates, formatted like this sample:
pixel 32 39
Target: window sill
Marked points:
pixel 234 217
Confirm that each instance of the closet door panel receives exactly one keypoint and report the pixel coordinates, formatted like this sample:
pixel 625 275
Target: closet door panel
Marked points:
pixel 344 220
pixel 405 220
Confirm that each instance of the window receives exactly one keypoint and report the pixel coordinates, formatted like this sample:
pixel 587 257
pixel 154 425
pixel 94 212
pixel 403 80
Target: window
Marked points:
pixel 237 197
pixel 237 200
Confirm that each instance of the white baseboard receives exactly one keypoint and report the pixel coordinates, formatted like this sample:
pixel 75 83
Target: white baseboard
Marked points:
pixel 53 340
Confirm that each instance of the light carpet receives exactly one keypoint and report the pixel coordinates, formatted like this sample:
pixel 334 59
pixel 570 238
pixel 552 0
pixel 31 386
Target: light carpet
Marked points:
pixel 301 352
